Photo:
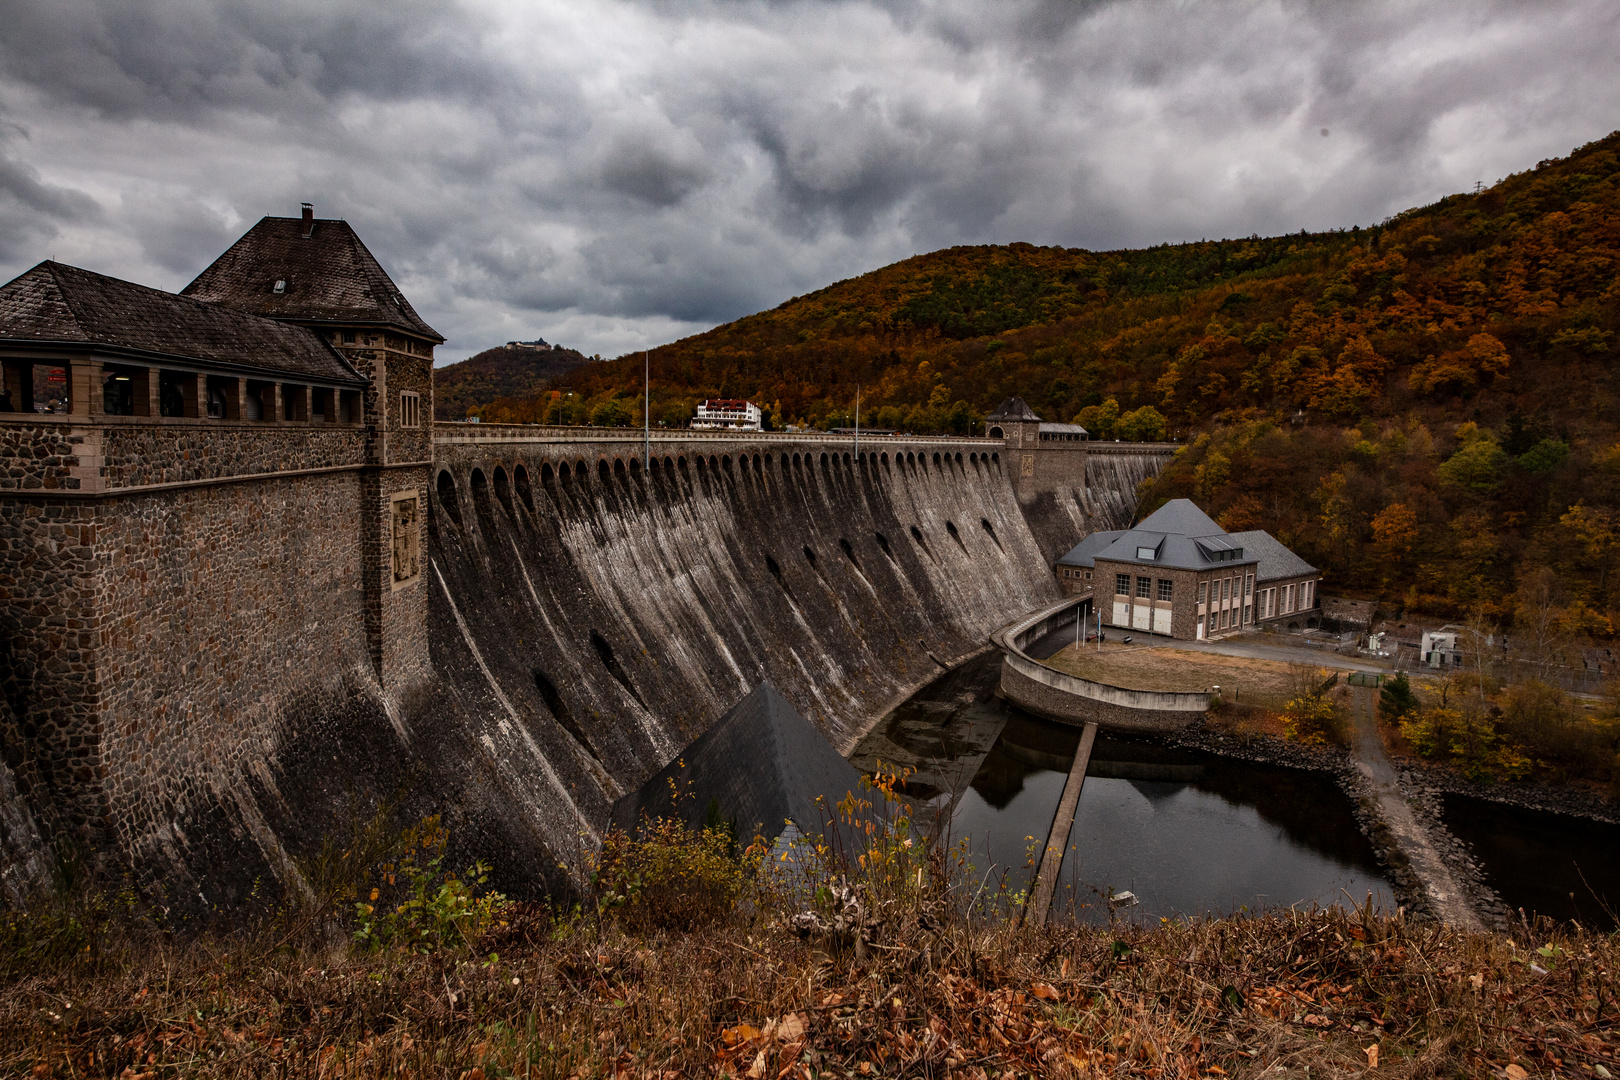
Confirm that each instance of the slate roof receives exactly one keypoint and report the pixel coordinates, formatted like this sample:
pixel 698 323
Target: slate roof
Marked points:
pixel 56 303
pixel 331 277
pixel 1014 409
pixel 1181 536
pixel 1276 561
pixel 1085 552
pixel 1062 429
pixel 761 762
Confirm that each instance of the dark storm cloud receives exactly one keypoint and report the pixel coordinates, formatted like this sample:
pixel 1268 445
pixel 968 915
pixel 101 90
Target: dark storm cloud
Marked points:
pixel 611 174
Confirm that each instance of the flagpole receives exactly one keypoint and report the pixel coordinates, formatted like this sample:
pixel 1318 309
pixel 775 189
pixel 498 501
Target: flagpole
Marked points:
pixel 646 412
pixel 857 422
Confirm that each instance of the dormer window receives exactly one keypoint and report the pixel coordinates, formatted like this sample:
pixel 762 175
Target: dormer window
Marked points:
pixel 1146 553
pixel 281 287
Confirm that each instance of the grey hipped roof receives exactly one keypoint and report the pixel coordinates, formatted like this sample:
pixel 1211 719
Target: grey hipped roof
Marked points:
pixel 761 762
pixel 329 277
pixel 1276 561
pixel 1062 429
pixel 1014 409
pixel 1085 552
pixel 57 304
pixel 1181 536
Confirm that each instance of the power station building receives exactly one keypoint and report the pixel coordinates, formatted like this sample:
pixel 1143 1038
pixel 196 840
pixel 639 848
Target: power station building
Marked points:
pixel 1179 574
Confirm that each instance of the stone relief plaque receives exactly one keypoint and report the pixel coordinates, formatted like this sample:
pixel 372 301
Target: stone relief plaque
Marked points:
pixel 407 538
pixel 1028 468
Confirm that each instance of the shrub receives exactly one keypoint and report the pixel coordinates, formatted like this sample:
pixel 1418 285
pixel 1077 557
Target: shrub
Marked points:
pixel 432 908
pixel 1311 719
pixel 1553 729
pixel 1397 701
pixel 670 876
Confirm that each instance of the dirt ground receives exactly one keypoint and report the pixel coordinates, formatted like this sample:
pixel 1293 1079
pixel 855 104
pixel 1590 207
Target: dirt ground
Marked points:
pixel 1266 684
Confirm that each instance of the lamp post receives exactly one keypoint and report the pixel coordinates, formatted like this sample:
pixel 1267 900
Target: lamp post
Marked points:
pixel 646 412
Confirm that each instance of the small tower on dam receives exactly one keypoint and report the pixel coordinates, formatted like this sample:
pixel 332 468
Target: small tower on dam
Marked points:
pixel 317 273
pixel 1043 455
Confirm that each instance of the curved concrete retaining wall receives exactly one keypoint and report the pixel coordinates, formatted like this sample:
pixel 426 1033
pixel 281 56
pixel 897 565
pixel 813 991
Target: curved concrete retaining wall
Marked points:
pixel 1070 699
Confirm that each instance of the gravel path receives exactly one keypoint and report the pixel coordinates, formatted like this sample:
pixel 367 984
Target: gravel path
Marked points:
pixel 1447 899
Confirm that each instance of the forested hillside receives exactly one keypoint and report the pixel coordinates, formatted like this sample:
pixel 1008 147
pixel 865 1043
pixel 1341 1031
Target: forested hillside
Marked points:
pixel 1427 408
pixel 498 377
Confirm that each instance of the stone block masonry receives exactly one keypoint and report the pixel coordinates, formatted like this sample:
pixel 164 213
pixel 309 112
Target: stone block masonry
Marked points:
pixel 153 638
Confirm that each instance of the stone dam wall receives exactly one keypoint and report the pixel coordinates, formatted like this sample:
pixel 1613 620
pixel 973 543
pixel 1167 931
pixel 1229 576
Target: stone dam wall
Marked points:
pixel 602 616
pixel 585 617
pixel 1097 492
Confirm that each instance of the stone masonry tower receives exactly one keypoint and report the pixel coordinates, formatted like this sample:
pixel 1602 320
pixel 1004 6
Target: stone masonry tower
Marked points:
pixel 318 274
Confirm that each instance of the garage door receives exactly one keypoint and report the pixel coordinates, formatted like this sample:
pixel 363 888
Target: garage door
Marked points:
pixel 1122 614
pixel 1142 618
pixel 1161 620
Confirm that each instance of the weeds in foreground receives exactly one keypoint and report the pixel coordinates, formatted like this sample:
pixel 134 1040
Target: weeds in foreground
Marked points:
pixel 694 959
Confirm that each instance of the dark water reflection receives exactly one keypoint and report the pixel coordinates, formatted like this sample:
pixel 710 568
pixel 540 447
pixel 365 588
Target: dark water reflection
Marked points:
pixel 1548 864
pixel 1188 832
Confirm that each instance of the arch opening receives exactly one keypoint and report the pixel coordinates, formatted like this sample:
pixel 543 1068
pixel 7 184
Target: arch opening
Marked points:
pixel 503 490
pixel 447 496
pixel 520 480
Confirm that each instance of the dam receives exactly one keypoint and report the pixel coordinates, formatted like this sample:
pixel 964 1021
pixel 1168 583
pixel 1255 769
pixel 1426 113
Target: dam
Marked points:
pixel 252 596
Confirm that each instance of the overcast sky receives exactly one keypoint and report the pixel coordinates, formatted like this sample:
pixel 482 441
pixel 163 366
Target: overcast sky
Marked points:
pixel 610 175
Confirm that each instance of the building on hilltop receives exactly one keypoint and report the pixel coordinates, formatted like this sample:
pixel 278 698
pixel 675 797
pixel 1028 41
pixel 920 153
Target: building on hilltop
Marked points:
pixel 1179 574
pixel 221 516
pixel 728 414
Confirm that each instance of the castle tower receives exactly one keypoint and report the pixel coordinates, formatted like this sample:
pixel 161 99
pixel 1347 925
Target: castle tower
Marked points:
pixel 1014 421
pixel 316 273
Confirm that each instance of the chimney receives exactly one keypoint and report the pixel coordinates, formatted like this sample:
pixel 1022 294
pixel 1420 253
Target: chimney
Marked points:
pixel 309 219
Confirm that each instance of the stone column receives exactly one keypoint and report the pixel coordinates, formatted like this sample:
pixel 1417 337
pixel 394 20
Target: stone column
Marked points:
pixel 84 382
pixel 146 391
pixel 195 390
pixel 235 398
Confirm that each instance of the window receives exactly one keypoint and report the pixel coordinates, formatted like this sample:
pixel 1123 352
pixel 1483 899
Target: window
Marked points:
pixel 1248 586
pixel 1226 588
pixel 1288 599
pixel 410 409
pixel 281 286
pixel 1122 584
pixel 1306 592
pixel 1248 613
pixel 1165 588
pixel 1145 553
pixel 1203 591
pixel 1144 587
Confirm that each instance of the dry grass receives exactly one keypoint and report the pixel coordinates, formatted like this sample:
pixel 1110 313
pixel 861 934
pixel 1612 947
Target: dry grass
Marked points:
pixel 1264 683
pixel 934 996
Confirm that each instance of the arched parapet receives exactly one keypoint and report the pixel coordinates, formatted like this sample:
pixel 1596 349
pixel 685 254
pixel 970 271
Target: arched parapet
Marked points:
pixel 1069 699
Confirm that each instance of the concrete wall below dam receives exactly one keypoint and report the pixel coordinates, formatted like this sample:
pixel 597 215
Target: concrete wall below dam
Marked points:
pixel 606 615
